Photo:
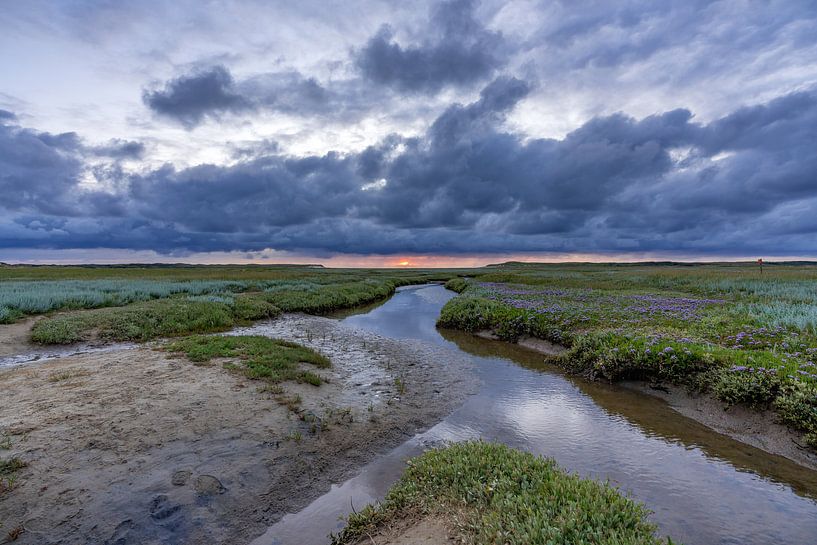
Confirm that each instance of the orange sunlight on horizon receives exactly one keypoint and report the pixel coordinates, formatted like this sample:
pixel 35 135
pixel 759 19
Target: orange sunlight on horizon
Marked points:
pixel 103 256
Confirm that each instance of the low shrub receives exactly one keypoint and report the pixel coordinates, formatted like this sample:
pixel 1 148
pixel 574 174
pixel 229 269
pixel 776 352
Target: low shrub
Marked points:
pixel 9 315
pixel 322 298
pixel 755 388
pixel 458 285
pixel 797 407
pixel 476 314
pixel 137 322
pixel 249 308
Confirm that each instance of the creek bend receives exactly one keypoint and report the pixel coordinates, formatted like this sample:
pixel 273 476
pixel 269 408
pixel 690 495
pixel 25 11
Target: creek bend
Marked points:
pixel 704 488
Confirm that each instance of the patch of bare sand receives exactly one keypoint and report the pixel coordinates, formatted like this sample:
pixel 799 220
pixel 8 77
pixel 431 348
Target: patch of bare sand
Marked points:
pixel 429 530
pixel 14 338
pixel 134 446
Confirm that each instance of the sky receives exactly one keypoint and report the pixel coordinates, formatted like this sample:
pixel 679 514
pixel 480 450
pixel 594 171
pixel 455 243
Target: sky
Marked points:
pixel 355 133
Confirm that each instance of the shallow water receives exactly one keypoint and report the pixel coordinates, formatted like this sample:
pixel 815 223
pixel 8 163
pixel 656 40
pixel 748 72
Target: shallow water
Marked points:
pixel 703 487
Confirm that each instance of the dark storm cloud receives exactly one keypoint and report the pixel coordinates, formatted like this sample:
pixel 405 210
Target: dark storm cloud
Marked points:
pixel 213 93
pixel 458 51
pixel 742 183
pixel 7 116
pixel 37 170
pixel 252 196
pixel 41 172
pixel 120 149
pixel 190 98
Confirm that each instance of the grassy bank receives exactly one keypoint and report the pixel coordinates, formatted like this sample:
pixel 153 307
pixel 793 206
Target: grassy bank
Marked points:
pixel 36 290
pixel 747 339
pixel 492 494
pixel 141 321
pixel 168 310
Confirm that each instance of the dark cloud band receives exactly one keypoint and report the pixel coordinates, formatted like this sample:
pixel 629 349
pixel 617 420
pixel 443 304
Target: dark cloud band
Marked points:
pixel 742 183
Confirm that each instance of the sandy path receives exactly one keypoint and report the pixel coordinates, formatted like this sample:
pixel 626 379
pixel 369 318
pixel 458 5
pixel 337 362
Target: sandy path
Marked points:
pixel 135 447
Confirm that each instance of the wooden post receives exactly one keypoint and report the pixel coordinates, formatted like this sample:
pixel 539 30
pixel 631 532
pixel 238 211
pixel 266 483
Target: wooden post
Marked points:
pixel 760 262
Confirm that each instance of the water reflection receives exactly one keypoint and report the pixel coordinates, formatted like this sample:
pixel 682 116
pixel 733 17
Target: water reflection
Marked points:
pixel 704 488
pixel 653 417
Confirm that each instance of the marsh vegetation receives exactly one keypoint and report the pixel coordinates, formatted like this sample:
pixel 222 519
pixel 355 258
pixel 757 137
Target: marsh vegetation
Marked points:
pixel 492 494
pixel 724 329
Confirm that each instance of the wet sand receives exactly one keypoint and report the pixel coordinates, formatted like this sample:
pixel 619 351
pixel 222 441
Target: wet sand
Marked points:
pixel 136 446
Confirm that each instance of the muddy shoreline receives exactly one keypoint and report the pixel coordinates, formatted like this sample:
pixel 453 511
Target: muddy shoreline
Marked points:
pixel 758 429
pixel 135 446
pixel 755 428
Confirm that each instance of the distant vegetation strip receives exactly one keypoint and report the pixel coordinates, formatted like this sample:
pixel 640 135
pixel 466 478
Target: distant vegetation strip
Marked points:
pixel 748 339
pixel 38 291
pixel 177 315
pixel 492 494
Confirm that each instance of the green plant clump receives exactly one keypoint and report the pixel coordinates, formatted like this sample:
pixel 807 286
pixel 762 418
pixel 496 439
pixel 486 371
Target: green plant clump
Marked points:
pixel 457 284
pixel 322 298
pixel 496 495
pixel 138 322
pixel 262 358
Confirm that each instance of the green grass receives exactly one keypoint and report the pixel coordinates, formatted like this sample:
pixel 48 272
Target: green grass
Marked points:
pixel 11 466
pixel 315 298
pixel 8 471
pixel 137 322
pixel 30 290
pixel 177 315
pixel 718 328
pixel 493 494
pixel 19 298
pixel 261 358
pixel 150 302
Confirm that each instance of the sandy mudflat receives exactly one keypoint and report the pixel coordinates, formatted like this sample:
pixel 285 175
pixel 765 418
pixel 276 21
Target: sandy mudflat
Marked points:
pixel 14 338
pixel 137 447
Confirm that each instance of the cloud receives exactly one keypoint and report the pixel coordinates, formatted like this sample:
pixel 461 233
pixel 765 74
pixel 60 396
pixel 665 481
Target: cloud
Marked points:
pixel 213 93
pixel 38 170
pixel 42 172
pixel 459 51
pixel 190 98
pixel 120 149
pixel 742 183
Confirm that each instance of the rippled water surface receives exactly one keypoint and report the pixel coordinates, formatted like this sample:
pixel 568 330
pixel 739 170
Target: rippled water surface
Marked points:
pixel 704 488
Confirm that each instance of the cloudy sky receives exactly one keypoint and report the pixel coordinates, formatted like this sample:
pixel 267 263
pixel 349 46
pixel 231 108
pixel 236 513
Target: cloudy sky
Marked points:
pixel 378 132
